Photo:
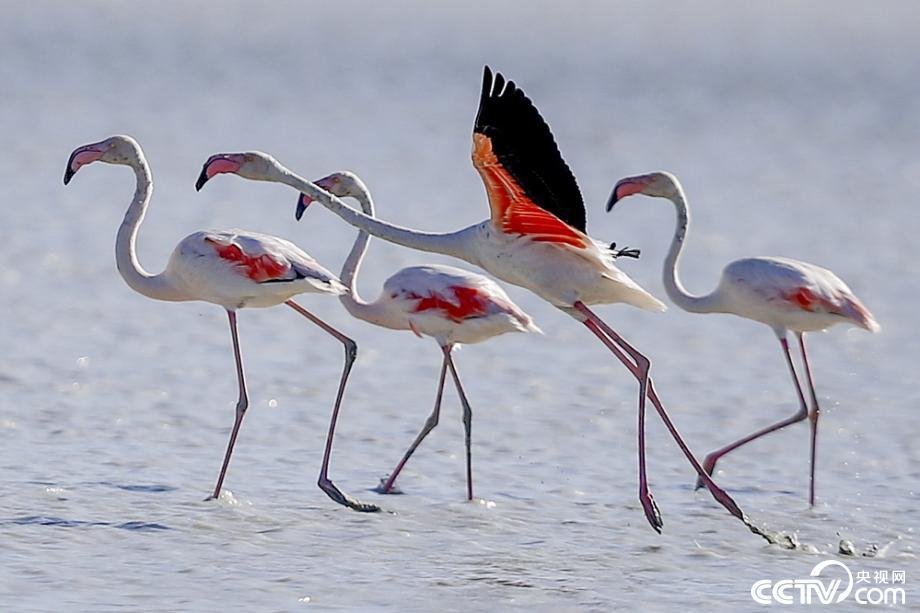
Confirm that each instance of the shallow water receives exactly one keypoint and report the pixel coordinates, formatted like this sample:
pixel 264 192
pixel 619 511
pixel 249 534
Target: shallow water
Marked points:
pixel 794 130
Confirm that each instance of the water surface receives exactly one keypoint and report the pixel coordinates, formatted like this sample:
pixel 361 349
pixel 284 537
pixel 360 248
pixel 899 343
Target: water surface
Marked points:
pixel 794 129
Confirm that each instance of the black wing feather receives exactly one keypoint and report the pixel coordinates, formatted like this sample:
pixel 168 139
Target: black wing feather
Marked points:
pixel 524 145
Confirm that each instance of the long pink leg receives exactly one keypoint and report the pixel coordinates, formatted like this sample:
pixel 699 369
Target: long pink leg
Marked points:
pixel 718 493
pixel 652 514
pixel 467 422
pixel 430 423
pixel 709 462
pixel 813 417
pixel 241 405
pixel 351 352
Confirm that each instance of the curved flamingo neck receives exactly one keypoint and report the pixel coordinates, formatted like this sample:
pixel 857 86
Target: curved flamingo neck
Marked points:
pixel 455 244
pixel 352 301
pixel 153 286
pixel 709 303
pixel 352 265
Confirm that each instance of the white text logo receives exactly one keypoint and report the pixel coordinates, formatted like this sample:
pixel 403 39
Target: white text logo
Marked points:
pixel 836 588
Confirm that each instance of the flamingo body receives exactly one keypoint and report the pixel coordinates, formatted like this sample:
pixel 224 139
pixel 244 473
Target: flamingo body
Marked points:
pixel 450 305
pixel 239 269
pixel 559 272
pixel 788 294
pixel 536 235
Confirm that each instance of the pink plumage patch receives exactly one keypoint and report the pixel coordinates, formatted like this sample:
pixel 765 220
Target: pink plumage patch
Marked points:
pixel 802 297
pixel 845 305
pixel 467 302
pixel 808 300
pixel 259 268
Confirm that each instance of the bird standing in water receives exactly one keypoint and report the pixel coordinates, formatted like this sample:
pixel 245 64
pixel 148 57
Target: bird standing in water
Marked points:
pixel 233 269
pixel 535 239
pixel 785 294
pixel 450 305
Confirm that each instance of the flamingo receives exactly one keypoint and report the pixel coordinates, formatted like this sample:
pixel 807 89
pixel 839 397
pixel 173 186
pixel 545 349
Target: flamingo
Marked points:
pixel 233 269
pixel 535 239
pixel 451 305
pixel 785 294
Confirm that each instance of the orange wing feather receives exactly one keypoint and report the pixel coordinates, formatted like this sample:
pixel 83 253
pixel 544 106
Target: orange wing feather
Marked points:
pixel 512 210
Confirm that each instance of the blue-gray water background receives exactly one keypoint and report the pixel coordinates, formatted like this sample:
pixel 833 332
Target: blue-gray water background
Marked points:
pixel 794 128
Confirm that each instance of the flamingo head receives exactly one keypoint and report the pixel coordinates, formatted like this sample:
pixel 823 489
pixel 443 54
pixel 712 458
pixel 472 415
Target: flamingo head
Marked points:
pixel 253 165
pixel 341 184
pixel 117 149
pixel 658 184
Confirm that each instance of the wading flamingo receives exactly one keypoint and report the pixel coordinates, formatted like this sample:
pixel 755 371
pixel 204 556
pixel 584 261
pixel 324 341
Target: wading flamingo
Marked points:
pixel 450 305
pixel 234 269
pixel 534 239
pixel 787 295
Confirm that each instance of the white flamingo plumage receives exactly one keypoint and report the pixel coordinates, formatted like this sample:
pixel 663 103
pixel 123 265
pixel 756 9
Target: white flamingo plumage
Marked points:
pixel 785 294
pixel 451 305
pixel 234 269
pixel 535 238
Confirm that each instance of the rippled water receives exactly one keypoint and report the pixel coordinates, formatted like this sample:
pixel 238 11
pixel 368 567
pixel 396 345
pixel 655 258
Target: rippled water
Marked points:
pixel 795 131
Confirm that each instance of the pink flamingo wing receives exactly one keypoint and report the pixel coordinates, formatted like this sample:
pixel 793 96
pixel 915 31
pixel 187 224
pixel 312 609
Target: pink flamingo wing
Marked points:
pixel 258 267
pixel 464 303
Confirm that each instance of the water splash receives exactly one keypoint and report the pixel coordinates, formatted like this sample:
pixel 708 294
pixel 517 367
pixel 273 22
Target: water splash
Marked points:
pixel 784 540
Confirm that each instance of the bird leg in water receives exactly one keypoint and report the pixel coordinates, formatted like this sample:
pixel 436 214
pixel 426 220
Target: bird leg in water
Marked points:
pixel 430 423
pixel 709 462
pixel 813 418
pixel 241 405
pixel 645 496
pixel 351 351
pixel 722 497
pixel 718 493
pixel 467 422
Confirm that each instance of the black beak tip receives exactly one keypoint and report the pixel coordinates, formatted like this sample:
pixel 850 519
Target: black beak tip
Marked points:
pixel 202 179
pixel 612 201
pixel 301 208
pixel 69 172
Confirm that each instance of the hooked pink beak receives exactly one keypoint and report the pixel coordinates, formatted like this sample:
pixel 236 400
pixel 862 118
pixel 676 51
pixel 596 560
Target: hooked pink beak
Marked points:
pixel 303 201
pixel 81 157
pixel 218 164
pixel 625 187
